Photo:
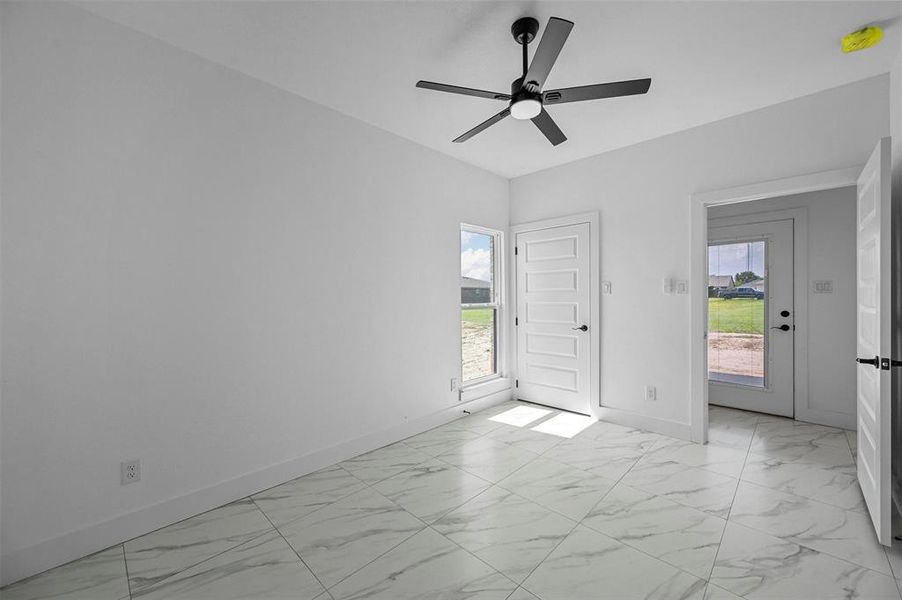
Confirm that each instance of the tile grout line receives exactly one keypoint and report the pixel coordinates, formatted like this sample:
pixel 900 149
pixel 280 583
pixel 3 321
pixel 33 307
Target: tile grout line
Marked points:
pixel 788 540
pixel 516 585
pixel 326 505
pixel 248 498
pixel 653 495
pixel 303 562
pixel 572 529
pixel 805 544
pixel 191 566
pixel 128 579
pixel 445 514
pixel 730 511
pixel 425 526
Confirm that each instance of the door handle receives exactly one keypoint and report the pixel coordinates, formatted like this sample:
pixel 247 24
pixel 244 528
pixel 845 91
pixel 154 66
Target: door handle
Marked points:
pixel 783 327
pixel 869 361
pixel 580 328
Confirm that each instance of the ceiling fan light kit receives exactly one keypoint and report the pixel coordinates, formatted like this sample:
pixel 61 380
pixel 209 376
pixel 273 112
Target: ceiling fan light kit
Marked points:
pixel 527 100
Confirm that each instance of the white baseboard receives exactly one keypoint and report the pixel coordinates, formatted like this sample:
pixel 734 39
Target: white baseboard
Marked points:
pixel 619 416
pixel 828 418
pixel 25 562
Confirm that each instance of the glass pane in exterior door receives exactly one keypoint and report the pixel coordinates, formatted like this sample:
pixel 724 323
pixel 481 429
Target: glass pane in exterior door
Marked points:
pixel 737 299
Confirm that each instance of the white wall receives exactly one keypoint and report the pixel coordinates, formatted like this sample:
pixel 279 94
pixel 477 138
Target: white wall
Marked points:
pixel 643 195
pixel 831 317
pixel 205 272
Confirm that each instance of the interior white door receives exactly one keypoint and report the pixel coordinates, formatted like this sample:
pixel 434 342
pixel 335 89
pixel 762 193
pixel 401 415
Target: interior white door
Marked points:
pixel 553 321
pixel 874 341
pixel 751 324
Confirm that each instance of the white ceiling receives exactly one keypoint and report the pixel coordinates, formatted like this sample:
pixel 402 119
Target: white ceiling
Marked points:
pixel 707 61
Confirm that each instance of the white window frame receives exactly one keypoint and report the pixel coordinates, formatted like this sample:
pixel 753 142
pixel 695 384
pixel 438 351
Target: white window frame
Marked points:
pixel 497 303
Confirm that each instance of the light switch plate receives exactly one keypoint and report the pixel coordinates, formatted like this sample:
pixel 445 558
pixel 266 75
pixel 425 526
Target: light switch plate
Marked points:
pixel 667 285
pixel 606 287
pixel 682 286
pixel 823 286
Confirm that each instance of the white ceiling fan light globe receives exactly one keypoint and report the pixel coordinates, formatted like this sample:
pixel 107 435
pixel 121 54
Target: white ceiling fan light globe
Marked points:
pixel 526 109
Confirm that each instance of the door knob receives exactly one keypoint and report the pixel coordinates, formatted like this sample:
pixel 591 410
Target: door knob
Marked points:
pixel 869 361
pixel 581 328
pixel 783 327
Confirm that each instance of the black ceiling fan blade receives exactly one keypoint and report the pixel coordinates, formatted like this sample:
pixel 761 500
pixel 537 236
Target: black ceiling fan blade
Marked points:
pixel 464 91
pixel 555 34
pixel 549 128
pixel 597 91
pixel 483 126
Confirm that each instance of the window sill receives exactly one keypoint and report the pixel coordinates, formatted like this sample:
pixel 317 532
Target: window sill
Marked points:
pixel 484 388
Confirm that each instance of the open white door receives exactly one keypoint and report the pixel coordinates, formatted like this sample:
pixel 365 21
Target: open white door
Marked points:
pixel 874 338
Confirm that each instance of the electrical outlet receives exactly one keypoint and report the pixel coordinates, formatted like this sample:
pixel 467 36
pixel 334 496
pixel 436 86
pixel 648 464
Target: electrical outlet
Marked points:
pixel 131 471
pixel 682 286
pixel 651 393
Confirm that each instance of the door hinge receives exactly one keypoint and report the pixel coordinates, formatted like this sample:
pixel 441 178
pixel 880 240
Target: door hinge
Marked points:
pixel 887 363
pixel 516 383
pixel 516 251
pixel 516 321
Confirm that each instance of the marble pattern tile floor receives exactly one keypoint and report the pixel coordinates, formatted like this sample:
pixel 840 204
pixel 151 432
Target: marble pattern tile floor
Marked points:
pixel 488 508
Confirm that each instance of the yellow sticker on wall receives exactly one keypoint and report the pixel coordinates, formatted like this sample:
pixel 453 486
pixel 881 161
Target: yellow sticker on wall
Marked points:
pixel 861 39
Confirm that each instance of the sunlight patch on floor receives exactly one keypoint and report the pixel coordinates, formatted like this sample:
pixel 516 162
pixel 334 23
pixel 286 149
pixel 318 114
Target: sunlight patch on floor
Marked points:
pixel 565 425
pixel 520 416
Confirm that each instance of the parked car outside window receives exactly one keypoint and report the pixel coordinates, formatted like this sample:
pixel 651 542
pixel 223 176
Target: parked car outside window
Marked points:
pixel 742 292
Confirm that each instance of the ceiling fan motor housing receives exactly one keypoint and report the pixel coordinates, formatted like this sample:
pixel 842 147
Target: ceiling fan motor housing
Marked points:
pixel 524 30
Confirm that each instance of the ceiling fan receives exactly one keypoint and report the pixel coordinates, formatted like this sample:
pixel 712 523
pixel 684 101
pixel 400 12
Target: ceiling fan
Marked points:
pixel 527 100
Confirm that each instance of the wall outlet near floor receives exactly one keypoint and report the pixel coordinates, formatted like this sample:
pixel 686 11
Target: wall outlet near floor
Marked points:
pixel 130 471
pixel 651 393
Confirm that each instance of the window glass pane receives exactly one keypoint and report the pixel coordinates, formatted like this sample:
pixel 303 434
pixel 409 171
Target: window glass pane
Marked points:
pixel 477 330
pixel 737 292
pixel 477 259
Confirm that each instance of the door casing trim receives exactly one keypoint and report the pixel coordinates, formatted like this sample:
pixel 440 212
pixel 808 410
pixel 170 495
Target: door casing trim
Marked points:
pixel 698 219
pixel 592 219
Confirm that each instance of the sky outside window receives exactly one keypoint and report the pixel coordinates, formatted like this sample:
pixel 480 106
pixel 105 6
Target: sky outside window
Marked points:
pixel 476 255
pixel 730 259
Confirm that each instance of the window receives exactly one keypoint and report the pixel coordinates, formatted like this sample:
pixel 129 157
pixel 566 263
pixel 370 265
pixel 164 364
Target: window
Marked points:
pixel 737 292
pixel 480 302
